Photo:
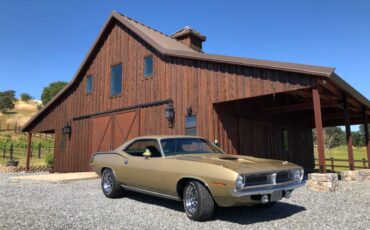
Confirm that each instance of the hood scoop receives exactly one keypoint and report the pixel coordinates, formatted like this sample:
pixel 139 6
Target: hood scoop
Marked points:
pixel 229 158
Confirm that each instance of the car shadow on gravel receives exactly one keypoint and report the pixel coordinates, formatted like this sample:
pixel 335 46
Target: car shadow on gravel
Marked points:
pixel 174 205
pixel 239 215
pixel 252 215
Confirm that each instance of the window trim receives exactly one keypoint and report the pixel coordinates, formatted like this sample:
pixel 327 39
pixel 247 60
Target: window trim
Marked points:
pixel 110 81
pixel 147 139
pixel 149 76
pixel 92 82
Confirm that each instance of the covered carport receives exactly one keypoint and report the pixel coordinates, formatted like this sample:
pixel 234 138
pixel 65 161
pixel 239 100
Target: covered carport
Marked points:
pixel 279 126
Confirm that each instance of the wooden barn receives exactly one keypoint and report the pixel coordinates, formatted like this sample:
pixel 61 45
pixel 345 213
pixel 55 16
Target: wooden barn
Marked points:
pixel 138 81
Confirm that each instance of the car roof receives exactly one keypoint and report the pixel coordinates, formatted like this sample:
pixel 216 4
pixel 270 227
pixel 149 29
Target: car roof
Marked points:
pixel 165 137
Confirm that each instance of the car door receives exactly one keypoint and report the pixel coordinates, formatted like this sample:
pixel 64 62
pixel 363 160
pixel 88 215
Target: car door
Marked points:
pixel 141 172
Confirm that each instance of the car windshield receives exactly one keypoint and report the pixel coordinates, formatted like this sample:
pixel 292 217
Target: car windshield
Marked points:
pixel 177 146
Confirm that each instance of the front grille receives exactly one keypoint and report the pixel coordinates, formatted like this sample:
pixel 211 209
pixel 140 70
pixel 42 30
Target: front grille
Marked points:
pixel 268 178
pixel 255 180
pixel 283 177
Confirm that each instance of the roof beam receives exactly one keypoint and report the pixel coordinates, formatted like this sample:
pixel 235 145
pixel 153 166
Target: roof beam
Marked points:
pixel 298 107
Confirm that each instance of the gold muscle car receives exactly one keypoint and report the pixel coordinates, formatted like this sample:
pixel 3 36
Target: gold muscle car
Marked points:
pixel 195 171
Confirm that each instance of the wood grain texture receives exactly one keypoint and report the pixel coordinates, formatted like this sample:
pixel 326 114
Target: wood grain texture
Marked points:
pixel 189 83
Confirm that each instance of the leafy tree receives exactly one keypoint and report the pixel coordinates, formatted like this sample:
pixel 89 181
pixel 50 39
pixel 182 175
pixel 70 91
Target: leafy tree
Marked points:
pixel 357 139
pixel 26 97
pixel 362 129
pixel 334 137
pixel 7 99
pixel 51 90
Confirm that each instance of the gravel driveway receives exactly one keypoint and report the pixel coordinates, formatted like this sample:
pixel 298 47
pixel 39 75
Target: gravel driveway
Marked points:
pixel 82 205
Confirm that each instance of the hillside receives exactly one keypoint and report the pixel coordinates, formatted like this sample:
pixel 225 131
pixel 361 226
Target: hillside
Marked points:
pixel 18 116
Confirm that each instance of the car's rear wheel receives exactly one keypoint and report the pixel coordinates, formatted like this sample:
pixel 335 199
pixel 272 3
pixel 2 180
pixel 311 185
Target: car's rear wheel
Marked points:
pixel 110 187
pixel 198 202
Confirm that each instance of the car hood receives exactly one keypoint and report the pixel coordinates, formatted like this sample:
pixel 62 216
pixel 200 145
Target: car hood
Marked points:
pixel 238 163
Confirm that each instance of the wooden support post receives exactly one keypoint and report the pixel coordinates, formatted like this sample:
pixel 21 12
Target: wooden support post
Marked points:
pixel 319 129
pixel 39 150
pixel 367 140
pixel 332 164
pixel 348 133
pixel 28 156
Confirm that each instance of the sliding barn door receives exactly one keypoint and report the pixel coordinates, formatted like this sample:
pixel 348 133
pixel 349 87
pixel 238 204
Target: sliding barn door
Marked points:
pixel 102 134
pixel 126 127
pixel 111 131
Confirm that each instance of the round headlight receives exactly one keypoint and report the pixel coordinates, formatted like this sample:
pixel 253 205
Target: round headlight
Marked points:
pixel 297 174
pixel 239 183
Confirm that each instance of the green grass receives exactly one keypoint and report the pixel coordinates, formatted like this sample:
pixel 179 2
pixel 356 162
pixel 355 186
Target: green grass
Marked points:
pixel 341 153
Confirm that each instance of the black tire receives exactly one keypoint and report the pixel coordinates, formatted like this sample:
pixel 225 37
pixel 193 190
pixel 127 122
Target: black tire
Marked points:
pixel 204 202
pixel 113 190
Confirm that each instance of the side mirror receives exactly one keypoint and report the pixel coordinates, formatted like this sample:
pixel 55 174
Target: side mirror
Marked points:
pixel 216 143
pixel 147 154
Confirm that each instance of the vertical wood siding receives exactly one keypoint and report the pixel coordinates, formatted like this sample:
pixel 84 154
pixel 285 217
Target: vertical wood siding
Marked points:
pixel 194 83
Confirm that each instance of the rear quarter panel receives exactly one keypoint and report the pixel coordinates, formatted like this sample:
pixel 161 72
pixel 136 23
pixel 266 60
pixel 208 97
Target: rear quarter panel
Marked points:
pixel 111 160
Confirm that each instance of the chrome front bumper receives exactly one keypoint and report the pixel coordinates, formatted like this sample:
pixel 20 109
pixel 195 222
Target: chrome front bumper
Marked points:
pixel 267 190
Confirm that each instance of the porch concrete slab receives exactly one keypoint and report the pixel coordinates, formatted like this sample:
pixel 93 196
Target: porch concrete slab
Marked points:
pixel 58 177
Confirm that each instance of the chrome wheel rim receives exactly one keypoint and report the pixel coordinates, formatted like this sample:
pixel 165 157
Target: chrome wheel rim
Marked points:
pixel 107 183
pixel 191 199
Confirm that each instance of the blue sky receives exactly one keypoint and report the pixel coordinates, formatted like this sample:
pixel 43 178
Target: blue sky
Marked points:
pixel 42 41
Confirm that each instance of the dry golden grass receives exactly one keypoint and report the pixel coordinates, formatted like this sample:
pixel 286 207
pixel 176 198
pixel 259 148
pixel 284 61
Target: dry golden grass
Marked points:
pixel 19 115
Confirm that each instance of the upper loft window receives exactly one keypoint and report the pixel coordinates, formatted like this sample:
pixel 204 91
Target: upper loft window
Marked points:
pixel 116 80
pixel 148 66
pixel 89 84
pixel 191 125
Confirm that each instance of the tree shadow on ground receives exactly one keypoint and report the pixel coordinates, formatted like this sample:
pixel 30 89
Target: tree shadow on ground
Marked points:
pixel 239 215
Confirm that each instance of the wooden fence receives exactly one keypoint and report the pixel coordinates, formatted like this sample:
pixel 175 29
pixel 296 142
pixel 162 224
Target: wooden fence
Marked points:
pixel 38 151
pixel 17 129
pixel 10 127
pixel 333 164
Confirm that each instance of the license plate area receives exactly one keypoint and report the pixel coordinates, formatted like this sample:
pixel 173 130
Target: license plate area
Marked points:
pixel 276 196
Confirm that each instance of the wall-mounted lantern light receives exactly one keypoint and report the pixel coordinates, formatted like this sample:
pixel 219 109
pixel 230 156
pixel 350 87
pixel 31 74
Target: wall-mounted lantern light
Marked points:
pixel 67 129
pixel 170 114
pixel 189 111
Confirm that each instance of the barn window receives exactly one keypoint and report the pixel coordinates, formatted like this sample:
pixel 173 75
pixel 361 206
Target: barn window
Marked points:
pixel 191 125
pixel 285 140
pixel 89 82
pixel 148 66
pixel 116 80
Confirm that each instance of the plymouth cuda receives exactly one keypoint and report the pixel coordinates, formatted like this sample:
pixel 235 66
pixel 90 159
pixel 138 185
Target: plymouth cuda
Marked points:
pixel 195 171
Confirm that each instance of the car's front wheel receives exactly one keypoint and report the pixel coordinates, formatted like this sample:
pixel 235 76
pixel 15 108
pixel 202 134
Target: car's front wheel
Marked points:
pixel 198 202
pixel 110 187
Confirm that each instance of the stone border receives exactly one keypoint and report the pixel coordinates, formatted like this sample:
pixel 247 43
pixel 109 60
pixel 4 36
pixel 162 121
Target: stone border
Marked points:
pixel 322 182
pixel 12 169
pixel 358 175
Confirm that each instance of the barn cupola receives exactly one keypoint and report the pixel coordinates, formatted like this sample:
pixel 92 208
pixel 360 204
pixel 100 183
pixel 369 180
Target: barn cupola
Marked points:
pixel 190 37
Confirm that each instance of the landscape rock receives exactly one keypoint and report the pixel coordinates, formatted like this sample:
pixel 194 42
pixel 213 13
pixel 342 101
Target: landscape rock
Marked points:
pixel 359 175
pixel 321 182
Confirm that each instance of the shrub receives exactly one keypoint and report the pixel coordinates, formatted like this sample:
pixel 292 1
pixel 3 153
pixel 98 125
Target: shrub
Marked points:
pixel 49 159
